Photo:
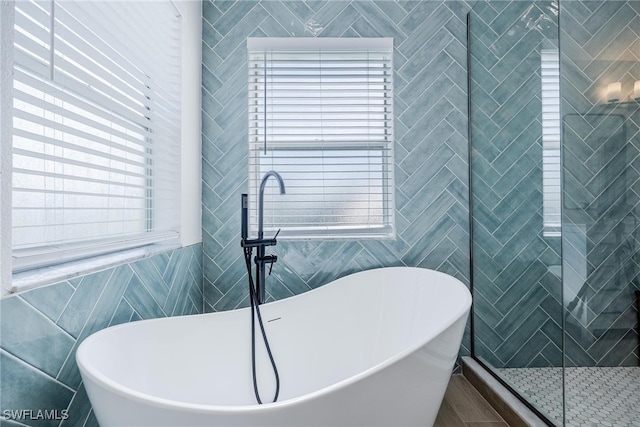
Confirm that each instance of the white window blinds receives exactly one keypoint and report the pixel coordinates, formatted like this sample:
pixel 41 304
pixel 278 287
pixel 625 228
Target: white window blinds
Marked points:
pixel 321 114
pixel 551 166
pixel 96 128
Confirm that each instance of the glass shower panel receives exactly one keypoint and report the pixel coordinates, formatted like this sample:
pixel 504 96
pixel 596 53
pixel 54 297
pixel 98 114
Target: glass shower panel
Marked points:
pixel 600 65
pixel 515 197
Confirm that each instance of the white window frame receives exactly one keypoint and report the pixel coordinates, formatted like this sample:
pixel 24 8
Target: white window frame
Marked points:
pixel 279 139
pixel 188 179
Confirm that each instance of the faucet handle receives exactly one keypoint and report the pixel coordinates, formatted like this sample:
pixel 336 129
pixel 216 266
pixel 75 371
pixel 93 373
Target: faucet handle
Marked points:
pixel 277 232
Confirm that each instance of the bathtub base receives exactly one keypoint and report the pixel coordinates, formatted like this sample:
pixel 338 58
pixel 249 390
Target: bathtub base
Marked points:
pixel 407 393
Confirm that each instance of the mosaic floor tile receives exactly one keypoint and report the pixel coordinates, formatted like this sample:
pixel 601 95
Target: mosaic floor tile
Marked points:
pixel 595 396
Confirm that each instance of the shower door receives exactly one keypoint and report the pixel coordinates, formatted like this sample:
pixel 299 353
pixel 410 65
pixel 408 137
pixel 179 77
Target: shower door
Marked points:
pixel 515 197
pixel 555 193
pixel 600 63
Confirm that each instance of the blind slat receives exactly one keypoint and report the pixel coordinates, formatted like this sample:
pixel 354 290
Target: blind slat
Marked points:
pixel 95 150
pixel 325 118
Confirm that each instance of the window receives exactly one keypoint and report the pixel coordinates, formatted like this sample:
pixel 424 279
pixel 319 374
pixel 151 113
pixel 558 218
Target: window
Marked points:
pixel 96 128
pixel 321 114
pixel 551 185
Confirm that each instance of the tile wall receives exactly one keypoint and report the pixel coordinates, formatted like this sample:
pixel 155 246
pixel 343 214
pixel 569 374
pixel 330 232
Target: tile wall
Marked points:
pixel 517 296
pixel 431 166
pixel 600 44
pixel 42 328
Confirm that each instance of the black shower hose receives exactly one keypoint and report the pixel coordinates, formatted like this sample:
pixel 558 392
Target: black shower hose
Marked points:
pixel 255 308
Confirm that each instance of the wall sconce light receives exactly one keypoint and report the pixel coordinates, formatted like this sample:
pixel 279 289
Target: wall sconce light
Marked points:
pixel 613 91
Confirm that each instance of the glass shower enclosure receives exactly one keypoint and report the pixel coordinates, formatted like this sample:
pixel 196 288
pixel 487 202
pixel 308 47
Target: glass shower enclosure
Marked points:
pixel 554 118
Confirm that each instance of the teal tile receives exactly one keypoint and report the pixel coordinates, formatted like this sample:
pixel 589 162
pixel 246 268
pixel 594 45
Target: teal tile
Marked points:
pixel 604 14
pixel 531 274
pixel 211 294
pixel 160 261
pixel 436 232
pixel 297 256
pixel 233 297
pixel 364 28
pixel 341 27
pixel 232 16
pixel 430 33
pixel 240 30
pixel 514 319
pixel 79 409
pixel 237 153
pixel 378 20
pixel 419 14
pixel 423 152
pixel 431 202
pixel 83 301
pixel 50 300
pixel 331 269
pixel 99 319
pixel 431 73
pixel 423 125
pixel 179 295
pixel 392 9
pixel 32 337
pixel 175 267
pixel 302 10
pixel 122 314
pixel 427 171
pixel 141 300
pixel 234 272
pixel 195 293
pixel 23 387
pixel 153 280
pixel 528 351
pixel 282 22
pixel 435 258
pixel 283 281
pixel 209 58
pixel 210 11
pixel 209 34
pixel 91 420
pixel 210 83
pixel 230 232
pixel 329 11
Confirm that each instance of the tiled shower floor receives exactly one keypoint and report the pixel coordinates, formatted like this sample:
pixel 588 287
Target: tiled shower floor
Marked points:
pixel 599 397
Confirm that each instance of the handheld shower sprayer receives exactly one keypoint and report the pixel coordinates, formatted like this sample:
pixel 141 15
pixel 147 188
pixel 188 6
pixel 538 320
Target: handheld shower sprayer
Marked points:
pixel 244 213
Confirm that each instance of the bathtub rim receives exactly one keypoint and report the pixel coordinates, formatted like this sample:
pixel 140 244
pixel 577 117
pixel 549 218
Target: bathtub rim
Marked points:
pixel 113 386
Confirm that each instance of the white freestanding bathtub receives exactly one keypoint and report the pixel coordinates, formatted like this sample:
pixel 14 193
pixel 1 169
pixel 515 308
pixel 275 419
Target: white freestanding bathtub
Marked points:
pixel 375 348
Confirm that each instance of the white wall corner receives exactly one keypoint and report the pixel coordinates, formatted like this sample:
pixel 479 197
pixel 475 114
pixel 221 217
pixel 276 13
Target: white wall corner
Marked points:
pixel 191 186
pixel 6 114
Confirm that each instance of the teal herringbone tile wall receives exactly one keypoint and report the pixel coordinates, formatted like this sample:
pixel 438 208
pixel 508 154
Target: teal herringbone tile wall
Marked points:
pixel 42 328
pixel 517 297
pixel 430 140
pixel 600 44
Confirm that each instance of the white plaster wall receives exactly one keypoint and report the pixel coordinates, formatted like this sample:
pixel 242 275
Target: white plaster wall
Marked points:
pixel 6 89
pixel 191 187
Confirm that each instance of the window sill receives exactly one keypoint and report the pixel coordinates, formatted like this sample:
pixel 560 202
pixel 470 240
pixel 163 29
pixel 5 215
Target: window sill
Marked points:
pixel 35 278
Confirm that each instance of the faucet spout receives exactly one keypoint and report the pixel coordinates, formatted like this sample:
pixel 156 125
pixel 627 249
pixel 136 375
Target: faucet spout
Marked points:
pixel 261 259
pixel 266 176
